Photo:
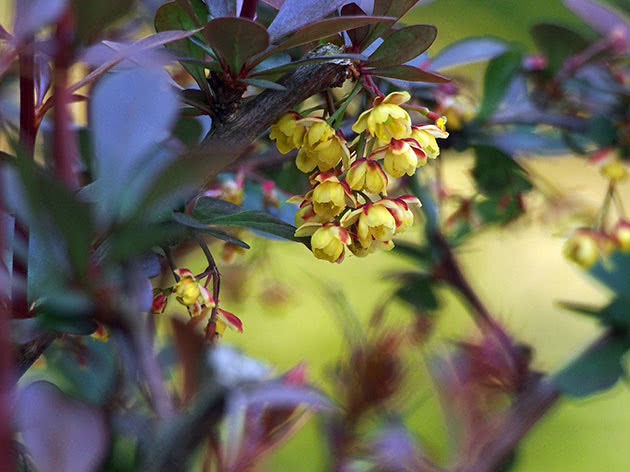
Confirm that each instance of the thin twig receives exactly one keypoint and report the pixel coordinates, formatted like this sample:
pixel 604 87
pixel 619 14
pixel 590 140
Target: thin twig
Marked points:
pixel 171 261
pixel 216 281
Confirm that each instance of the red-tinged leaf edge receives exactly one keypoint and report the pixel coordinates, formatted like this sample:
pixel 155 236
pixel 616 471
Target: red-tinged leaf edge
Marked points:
pixel 410 73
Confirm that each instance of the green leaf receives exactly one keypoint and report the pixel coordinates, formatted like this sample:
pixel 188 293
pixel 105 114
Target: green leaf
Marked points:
pixel 411 73
pixel 136 239
pixel 420 254
pixel 403 45
pixel 616 314
pixel 557 43
pixel 498 76
pixel 264 84
pixel 496 173
pixel 417 290
pixel 91 18
pixel 191 222
pixel 213 211
pixel 614 272
pixel 393 8
pixel 171 16
pixel 235 40
pixel 595 370
pixel 49 200
pixel 499 209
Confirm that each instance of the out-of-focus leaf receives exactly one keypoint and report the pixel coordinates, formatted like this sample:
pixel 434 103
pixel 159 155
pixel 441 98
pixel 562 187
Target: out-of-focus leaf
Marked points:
pixel 32 15
pixel 197 99
pixel 277 4
pixel 602 18
pixel 416 252
pixel 497 173
pixel 602 131
pixel 171 16
pixel 410 73
pixel 522 141
pixel 615 314
pixel 467 51
pixel 50 201
pixel 127 121
pixel 136 239
pixel 191 222
pixel 213 211
pixel 84 442
pixel 235 40
pixel 417 290
pixel 280 395
pixel 144 44
pixel 498 76
pixel 396 449
pixel 94 17
pixel 403 45
pixel 219 8
pixel 188 131
pixel 264 84
pixel 190 345
pixel 499 209
pixel 595 370
pixel 297 13
pixel 614 272
pixel 557 43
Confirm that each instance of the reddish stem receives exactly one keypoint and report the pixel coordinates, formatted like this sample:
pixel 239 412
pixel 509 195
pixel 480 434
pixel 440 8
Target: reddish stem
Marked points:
pixel 6 359
pixel 63 144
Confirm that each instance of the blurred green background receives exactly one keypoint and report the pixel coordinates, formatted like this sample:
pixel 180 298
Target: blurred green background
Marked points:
pixel 519 272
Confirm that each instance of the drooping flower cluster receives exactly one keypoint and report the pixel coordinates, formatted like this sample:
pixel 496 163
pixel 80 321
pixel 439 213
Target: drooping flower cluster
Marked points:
pixel 586 245
pixel 199 302
pixel 347 206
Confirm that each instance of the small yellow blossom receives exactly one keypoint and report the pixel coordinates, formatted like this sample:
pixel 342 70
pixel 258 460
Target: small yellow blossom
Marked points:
pixel 425 136
pixel 328 240
pixel 614 171
pixel 402 156
pixel 190 293
pixel 367 175
pixel 621 235
pixel 386 119
pixel 330 196
pixel 322 147
pixel 287 132
pixel 584 247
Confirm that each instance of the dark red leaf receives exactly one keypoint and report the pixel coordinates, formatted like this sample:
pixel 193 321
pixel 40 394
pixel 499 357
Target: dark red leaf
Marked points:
pixel 297 13
pixel 235 40
pixel 403 45
pixel 357 35
pixel 411 73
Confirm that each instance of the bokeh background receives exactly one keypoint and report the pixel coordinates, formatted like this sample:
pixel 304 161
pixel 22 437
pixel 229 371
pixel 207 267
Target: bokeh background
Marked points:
pixel 290 315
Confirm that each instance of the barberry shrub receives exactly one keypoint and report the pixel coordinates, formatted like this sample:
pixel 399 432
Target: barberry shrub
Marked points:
pixel 316 122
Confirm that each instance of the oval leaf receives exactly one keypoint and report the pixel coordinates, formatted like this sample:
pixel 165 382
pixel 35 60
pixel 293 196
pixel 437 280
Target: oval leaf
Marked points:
pixel 557 43
pixel 468 51
pixel 235 40
pixel 498 76
pixel 403 45
pixel 296 13
pixel 191 222
pixel 603 19
pixel 410 73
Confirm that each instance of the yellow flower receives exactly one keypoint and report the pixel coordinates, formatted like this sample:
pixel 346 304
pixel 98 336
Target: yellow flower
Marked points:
pixel 381 220
pixel 328 241
pixel 402 156
pixel 621 235
pixel 584 247
pixel 425 136
pixel 386 119
pixel 190 293
pixel 358 250
pixel 330 196
pixel 287 132
pixel 366 174
pixel 322 147
pixel 614 171
pixel 101 333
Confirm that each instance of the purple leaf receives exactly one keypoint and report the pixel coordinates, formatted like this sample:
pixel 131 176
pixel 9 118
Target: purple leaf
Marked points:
pixel 127 121
pixel 277 394
pixel 395 8
pixel 410 73
pixel 277 4
pixel 221 8
pixel 101 53
pixel 235 40
pixel 42 78
pixel 297 13
pixel 59 432
pixel 4 34
pixel 395 449
pixel 403 45
pixel 467 51
pixel 603 19
pixel 358 35
pixel 33 15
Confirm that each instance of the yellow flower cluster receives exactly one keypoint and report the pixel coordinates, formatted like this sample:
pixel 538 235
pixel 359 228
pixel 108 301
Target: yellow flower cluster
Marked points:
pixel 347 206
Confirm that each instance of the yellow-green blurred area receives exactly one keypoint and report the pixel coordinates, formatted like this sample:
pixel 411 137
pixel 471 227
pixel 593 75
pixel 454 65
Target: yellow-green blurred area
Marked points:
pixel 518 271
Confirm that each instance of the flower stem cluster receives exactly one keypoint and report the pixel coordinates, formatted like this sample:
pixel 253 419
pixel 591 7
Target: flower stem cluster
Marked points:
pixel 347 206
